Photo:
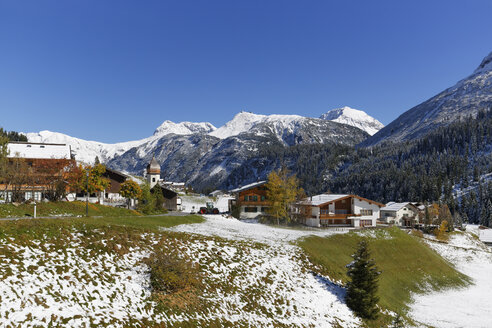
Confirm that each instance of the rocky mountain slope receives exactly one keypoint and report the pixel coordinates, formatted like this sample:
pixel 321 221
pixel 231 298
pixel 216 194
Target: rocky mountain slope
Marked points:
pixel 205 161
pixel 354 117
pixel 204 156
pixel 467 97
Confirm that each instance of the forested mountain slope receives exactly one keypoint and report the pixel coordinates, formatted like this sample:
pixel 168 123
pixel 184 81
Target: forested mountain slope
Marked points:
pixel 465 98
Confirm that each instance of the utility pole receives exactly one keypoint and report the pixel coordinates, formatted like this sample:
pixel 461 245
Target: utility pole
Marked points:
pixel 87 193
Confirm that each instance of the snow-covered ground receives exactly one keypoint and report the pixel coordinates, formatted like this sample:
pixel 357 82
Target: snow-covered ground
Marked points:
pixel 308 300
pixel 466 307
pixel 190 203
pixel 42 284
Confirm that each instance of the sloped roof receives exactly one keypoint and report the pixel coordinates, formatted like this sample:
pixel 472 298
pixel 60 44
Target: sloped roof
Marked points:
pixel 392 206
pixel 330 198
pixel 251 185
pixel 326 198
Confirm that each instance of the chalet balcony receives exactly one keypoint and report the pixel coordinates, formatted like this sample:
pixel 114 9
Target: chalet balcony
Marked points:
pixel 254 203
pixel 336 216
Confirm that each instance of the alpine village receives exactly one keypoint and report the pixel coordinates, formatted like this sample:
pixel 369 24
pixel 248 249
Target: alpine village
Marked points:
pixel 269 220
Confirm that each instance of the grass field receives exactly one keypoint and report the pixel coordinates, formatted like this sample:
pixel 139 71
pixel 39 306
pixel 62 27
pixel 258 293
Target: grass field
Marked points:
pixel 58 209
pixel 407 264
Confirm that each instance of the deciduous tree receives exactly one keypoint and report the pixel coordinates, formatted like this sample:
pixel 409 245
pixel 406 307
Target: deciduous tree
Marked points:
pixel 282 190
pixel 130 190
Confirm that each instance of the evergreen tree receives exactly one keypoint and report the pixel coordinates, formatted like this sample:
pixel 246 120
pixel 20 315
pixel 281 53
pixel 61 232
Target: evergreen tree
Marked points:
pixel 158 197
pixel 363 285
pixel 397 322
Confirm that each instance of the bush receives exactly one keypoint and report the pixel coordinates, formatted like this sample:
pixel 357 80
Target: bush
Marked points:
pixel 417 233
pixel 171 274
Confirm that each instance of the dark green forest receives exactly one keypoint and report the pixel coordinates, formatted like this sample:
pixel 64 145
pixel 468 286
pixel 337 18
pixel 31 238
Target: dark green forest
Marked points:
pixel 12 135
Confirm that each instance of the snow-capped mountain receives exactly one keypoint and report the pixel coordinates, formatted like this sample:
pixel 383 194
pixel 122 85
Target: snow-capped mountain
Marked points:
pixel 86 151
pixel 205 160
pixel 245 121
pixel 467 97
pixel 202 155
pixel 184 128
pixel 354 117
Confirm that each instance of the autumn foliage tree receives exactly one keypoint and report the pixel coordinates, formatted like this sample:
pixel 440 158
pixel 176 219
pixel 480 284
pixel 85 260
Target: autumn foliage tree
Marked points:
pixel 282 191
pixel 95 183
pixel 130 190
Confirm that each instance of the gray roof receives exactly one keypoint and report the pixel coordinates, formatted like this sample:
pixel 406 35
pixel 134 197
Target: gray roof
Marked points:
pixel 325 198
pixel 392 206
pixel 330 198
pixel 246 187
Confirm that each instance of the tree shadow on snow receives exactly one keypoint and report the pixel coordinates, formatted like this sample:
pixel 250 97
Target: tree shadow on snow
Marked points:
pixel 337 290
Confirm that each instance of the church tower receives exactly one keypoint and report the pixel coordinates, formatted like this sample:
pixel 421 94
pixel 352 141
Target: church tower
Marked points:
pixel 153 172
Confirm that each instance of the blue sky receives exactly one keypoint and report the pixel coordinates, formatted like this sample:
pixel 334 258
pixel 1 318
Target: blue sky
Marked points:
pixel 114 70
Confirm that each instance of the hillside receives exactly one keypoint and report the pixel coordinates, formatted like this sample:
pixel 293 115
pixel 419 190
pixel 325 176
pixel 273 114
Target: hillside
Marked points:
pixel 408 266
pixel 465 98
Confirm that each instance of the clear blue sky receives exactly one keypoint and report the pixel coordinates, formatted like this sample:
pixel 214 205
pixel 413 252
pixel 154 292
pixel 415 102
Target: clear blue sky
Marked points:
pixel 114 70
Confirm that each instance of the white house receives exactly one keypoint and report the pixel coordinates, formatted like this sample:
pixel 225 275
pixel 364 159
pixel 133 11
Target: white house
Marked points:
pixel 402 214
pixel 339 210
pixel 36 150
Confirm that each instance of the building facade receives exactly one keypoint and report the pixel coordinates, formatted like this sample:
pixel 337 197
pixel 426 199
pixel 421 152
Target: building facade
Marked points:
pixel 250 200
pixel 401 214
pixel 328 210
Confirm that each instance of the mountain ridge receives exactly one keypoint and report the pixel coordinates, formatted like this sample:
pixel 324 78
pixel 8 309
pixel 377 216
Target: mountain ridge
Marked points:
pixel 467 97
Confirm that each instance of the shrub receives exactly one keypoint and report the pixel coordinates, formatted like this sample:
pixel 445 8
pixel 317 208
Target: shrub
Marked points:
pixel 170 273
pixel 417 233
pixel 441 233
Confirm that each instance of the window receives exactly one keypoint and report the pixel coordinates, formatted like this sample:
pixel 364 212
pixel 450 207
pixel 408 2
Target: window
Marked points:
pixel 250 209
pixel 262 198
pixel 343 201
pixel 153 179
pixel 365 212
pixel 28 146
pixel 245 198
pixel 255 198
pixel 41 146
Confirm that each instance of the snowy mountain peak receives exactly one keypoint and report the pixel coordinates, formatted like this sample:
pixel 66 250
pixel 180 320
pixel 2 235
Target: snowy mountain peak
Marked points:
pixel 183 128
pixel 485 65
pixel 353 117
pixel 245 121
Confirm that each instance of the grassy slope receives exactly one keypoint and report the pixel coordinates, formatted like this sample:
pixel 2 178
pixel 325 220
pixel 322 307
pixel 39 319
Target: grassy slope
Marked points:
pixel 54 226
pixel 76 208
pixel 406 263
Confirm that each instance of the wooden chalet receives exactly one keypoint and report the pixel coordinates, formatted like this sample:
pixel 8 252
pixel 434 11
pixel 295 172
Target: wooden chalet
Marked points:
pixel 251 200
pixel 327 210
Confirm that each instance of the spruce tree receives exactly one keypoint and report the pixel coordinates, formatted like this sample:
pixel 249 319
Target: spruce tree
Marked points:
pixel 363 285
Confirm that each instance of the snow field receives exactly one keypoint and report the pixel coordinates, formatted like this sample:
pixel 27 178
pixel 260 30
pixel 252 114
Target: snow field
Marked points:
pixel 464 307
pixel 43 285
pixel 261 277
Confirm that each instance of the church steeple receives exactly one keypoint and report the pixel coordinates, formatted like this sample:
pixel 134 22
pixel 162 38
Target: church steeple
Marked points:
pixel 153 172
